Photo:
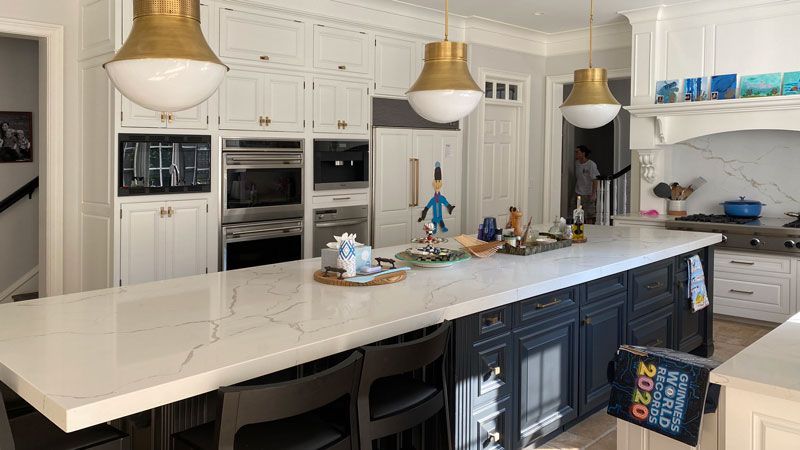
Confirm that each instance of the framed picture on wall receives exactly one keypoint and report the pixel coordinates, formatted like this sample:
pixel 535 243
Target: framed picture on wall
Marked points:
pixel 16 136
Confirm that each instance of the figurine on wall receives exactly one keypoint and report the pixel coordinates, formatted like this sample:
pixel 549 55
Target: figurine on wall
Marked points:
pixel 436 202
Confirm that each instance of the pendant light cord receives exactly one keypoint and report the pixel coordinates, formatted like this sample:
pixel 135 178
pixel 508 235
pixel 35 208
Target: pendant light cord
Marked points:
pixel 446 19
pixel 591 22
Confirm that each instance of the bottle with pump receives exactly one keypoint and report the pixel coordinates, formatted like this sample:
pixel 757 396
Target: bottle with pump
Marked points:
pixel 578 219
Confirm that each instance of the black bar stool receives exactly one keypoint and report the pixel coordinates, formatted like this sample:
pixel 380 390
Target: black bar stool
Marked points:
pixel 389 399
pixel 287 416
pixel 14 404
pixel 34 431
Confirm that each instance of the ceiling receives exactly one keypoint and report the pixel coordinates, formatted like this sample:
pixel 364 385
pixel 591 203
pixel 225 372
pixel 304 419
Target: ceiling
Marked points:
pixel 559 15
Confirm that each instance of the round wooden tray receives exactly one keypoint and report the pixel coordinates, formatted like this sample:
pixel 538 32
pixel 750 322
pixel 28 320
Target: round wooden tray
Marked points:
pixel 333 279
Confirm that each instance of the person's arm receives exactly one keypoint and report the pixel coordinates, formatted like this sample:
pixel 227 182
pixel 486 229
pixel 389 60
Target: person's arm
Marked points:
pixel 595 173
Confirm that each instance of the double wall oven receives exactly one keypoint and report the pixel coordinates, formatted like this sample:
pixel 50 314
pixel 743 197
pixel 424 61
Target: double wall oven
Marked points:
pixel 262 202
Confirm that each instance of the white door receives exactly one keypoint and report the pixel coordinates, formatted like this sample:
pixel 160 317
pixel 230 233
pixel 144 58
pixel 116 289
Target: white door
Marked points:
pixel 392 187
pixel 497 162
pixel 241 101
pixel 396 66
pixel 254 37
pixel 443 147
pixel 341 50
pixel 142 243
pixel 285 101
pixel 326 109
pixel 353 104
pixel 186 243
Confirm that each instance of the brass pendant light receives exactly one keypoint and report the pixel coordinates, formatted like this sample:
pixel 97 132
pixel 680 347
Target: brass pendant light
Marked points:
pixel 590 104
pixel 166 64
pixel 445 91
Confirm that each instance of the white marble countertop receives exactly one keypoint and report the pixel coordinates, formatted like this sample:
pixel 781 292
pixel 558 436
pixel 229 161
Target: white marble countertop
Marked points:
pixel 87 358
pixel 770 366
pixel 636 217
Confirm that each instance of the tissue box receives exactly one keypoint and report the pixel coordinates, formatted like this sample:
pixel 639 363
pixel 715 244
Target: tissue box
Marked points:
pixel 363 257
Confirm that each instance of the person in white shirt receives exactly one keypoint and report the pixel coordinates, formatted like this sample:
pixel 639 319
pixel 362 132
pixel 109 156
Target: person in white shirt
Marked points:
pixel 586 174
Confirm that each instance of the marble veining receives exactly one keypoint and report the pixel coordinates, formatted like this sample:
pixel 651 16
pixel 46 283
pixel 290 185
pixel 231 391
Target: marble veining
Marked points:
pixel 87 358
pixel 760 165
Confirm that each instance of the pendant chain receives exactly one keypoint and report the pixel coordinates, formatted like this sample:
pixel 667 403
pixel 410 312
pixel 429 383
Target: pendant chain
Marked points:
pixel 446 19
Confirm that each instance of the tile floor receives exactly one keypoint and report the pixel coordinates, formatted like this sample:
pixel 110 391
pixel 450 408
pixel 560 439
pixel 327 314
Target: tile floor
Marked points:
pixel 598 432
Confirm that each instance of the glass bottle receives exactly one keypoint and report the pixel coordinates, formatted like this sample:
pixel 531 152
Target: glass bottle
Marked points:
pixel 578 217
pixel 556 228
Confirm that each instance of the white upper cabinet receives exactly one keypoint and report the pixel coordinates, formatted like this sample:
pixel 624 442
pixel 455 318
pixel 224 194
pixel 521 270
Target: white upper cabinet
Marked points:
pixel 255 37
pixel 396 65
pixel 251 100
pixel 340 106
pixel 342 50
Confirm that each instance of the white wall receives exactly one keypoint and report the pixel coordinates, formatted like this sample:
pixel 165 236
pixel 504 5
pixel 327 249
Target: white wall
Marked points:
pixel 523 63
pixel 761 165
pixel 64 13
pixel 19 91
pixel 619 58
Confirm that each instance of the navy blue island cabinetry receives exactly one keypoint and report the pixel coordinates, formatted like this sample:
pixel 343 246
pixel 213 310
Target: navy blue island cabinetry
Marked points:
pixel 527 371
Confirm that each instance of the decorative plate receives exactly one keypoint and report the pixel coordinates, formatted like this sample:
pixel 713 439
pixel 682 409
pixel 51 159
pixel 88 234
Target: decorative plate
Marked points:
pixel 422 240
pixel 431 260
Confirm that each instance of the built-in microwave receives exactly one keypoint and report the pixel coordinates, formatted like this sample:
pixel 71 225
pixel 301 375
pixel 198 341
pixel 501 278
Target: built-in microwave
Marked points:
pixel 163 164
pixel 341 164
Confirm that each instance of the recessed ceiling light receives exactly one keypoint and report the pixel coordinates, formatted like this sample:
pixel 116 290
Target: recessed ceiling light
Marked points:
pixel 538 13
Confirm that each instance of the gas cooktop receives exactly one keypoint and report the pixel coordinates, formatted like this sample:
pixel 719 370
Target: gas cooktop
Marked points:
pixel 773 234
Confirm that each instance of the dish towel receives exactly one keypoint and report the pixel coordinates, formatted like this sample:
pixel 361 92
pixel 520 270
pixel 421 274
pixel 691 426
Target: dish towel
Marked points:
pixel 698 294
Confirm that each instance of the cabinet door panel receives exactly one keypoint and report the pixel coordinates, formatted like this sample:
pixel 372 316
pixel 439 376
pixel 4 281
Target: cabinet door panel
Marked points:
pixel 492 427
pixel 395 65
pixel 142 240
pixel 137 116
pixel 193 118
pixel 253 37
pixel 602 332
pixel 653 330
pixel 241 100
pixel 285 101
pixel 547 390
pixel 491 369
pixel 354 104
pixel 186 238
pixel 341 50
pixel 393 151
pixel 652 287
pixel 326 106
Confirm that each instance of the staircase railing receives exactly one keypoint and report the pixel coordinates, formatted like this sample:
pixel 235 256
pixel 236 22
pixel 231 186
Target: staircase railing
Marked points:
pixel 612 195
pixel 19 194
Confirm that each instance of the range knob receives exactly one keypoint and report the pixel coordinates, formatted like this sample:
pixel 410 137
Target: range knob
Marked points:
pixel 755 242
pixel 789 244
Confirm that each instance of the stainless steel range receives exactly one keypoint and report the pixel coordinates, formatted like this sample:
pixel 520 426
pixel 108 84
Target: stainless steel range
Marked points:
pixel 779 235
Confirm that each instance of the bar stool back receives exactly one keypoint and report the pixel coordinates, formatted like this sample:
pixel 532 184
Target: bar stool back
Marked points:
pixel 391 401
pixel 278 414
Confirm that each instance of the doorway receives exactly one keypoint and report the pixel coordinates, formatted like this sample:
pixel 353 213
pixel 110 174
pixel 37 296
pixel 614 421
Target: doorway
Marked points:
pixel 498 180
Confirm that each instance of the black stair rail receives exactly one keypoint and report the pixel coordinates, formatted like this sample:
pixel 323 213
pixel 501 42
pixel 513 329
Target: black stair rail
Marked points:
pixel 17 195
pixel 611 178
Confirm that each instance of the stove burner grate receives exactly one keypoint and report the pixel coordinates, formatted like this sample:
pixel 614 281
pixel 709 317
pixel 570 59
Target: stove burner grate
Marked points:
pixel 719 218
pixel 795 224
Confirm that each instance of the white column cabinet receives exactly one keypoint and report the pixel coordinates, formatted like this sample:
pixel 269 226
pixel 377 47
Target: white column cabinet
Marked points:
pixel 404 168
pixel 345 51
pixel 396 65
pixel 257 101
pixel 341 106
pixel 161 240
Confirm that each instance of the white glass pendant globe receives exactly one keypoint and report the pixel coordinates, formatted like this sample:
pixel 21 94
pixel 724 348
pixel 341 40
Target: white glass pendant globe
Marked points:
pixel 167 85
pixel 590 116
pixel 446 105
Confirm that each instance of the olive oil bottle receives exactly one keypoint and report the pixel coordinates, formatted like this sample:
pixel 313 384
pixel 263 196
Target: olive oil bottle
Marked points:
pixel 578 220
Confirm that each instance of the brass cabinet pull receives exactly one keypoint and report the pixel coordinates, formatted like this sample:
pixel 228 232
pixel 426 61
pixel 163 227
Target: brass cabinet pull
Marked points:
pixel 163 117
pixel 739 291
pixel 344 124
pixel 494 436
pixel 338 199
pixel 261 121
pixel 416 182
pixel 554 302
pixel 342 67
pixel 264 58
pixel 745 263
pixel 267 121
pixel 587 321
pixel 655 285
pixel 163 212
pixel 497 370
pixel 413 183
pixel 339 124
pixel 170 212
pixel 170 117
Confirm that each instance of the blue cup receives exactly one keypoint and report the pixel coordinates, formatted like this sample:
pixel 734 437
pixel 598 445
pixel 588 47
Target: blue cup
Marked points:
pixel 489 228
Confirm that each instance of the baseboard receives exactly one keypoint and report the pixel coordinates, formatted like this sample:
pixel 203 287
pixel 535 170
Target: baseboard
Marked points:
pixel 26 283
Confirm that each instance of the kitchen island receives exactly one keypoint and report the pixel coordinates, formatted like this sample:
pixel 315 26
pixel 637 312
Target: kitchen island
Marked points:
pixel 87 358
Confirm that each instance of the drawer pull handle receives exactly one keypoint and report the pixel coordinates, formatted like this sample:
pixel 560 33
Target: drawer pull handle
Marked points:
pixel 340 198
pixel 745 263
pixel 586 321
pixel 264 58
pixel 494 436
pixel 739 291
pixel 554 302
pixel 497 371
pixel 656 285
pixel 342 67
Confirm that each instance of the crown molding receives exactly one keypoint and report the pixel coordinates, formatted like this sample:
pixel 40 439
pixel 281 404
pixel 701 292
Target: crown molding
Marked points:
pixel 605 37
pixel 694 8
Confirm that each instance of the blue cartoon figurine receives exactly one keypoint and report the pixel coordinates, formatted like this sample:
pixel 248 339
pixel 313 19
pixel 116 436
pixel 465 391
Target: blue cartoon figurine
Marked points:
pixel 436 202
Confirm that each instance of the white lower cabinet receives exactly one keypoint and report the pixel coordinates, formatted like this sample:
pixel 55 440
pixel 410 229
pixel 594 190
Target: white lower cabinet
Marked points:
pixel 754 286
pixel 162 240
pixel 404 173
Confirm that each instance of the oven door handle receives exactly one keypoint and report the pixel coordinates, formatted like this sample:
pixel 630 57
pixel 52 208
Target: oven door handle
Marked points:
pixel 257 234
pixel 286 159
pixel 339 224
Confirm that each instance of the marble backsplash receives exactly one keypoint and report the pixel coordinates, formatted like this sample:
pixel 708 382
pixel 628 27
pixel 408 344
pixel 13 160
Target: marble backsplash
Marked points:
pixel 760 165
